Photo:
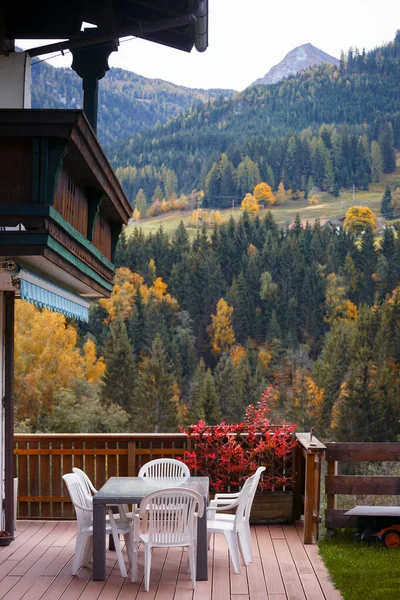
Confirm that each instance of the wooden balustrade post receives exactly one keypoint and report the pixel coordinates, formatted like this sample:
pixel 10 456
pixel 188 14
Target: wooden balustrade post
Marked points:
pixel 331 499
pixel 317 494
pixel 313 451
pixel 309 499
pixel 132 469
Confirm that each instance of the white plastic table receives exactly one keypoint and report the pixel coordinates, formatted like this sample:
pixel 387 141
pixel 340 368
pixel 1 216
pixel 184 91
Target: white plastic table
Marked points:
pixel 132 490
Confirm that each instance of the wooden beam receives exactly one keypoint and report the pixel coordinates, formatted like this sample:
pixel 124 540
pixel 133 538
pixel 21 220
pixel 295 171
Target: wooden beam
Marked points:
pixel 361 484
pixel 363 451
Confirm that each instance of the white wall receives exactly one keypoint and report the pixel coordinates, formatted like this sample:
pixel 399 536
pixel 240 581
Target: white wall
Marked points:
pixel 15 80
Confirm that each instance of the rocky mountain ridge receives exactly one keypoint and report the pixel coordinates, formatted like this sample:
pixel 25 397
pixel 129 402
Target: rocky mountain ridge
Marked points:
pixel 296 60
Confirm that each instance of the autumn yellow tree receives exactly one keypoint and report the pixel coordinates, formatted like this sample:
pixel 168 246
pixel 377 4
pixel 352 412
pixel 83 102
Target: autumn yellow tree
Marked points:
pixel 127 285
pixel 358 218
pixel 314 200
pixel 263 193
pixel 47 359
pixel 250 204
pixel 281 195
pixel 221 331
pixel 337 306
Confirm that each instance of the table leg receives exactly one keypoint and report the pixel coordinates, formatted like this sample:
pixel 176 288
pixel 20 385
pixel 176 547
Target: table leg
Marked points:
pixel 99 542
pixel 202 547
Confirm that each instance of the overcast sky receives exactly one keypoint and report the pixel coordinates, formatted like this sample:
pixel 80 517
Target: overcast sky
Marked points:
pixel 247 38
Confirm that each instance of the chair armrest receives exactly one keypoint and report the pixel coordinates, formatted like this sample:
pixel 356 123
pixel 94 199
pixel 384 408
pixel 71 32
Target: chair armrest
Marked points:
pixel 83 507
pixel 222 496
pixel 222 505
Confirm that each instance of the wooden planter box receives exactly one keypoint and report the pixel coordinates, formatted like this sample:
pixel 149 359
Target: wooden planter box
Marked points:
pixel 272 507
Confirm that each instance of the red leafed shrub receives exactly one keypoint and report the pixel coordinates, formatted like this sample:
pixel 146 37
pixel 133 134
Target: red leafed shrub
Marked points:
pixel 229 453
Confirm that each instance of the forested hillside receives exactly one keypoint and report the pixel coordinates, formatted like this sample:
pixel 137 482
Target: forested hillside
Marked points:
pixel 337 125
pixel 198 330
pixel 127 102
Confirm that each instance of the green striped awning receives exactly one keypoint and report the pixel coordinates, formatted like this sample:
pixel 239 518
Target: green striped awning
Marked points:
pixel 46 294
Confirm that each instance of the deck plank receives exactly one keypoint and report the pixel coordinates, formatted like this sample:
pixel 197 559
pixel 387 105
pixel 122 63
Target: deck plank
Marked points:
pixel 40 586
pixel 37 566
pixel 221 579
pixel 276 532
pixel 203 589
pixel 157 565
pixel 30 577
pixel 257 583
pixel 21 541
pixel 272 572
pixel 7 584
pixel 40 548
pixel 299 555
pixel 291 580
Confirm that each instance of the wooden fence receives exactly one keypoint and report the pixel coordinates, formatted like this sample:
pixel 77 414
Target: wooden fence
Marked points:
pixel 356 484
pixel 42 459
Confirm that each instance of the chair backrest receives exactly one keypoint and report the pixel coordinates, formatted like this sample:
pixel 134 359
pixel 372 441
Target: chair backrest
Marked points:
pixel 85 481
pixel 255 482
pixel 170 516
pixel 243 500
pixel 165 468
pixel 80 499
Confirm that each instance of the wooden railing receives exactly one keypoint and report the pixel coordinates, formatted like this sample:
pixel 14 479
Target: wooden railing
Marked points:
pixel 356 484
pixel 42 459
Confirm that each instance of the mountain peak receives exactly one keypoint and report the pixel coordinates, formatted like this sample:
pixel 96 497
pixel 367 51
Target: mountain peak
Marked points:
pixel 296 60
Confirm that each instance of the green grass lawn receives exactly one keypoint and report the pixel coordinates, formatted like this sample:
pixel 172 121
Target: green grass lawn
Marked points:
pixel 361 571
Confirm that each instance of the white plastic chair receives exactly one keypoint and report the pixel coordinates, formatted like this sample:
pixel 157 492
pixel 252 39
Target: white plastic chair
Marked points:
pixel 169 519
pixel 235 526
pixel 165 470
pixel 227 501
pixel 123 509
pixel 83 504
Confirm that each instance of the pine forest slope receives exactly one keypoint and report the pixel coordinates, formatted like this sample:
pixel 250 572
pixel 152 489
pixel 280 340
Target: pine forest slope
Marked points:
pixel 356 99
pixel 127 102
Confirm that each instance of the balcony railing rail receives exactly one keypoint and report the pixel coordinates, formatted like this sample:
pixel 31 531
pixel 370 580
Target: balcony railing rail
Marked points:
pixel 363 485
pixel 42 459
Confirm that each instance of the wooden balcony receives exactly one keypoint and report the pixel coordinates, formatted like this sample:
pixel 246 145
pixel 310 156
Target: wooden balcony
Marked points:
pixel 62 207
pixel 38 565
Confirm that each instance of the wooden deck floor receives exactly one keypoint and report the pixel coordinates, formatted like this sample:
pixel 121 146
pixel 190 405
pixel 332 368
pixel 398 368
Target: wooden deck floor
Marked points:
pixel 37 565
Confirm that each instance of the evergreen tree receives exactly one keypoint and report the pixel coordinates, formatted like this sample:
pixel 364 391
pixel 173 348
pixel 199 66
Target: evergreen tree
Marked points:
pixel 156 393
pixel 385 141
pixel 120 378
pixel 386 206
pixel 203 398
pixel 141 203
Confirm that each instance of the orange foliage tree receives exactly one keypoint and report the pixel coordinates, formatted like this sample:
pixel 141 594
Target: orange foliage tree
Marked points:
pixel 221 330
pixel 47 359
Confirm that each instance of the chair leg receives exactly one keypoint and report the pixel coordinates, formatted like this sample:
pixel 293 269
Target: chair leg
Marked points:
pixel 147 566
pixel 134 553
pixel 245 544
pixel 88 552
pixel 120 558
pixel 80 547
pixel 192 563
pixel 232 541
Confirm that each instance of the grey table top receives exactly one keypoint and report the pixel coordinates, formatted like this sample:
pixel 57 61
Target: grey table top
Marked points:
pixel 374 511
pixel 127 490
